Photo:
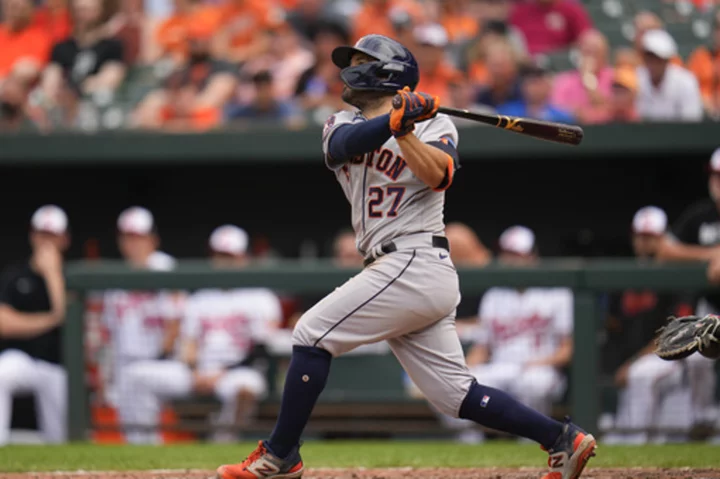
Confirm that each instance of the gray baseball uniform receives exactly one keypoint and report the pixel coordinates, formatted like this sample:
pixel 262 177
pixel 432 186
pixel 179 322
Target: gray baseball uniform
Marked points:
pixel 407 297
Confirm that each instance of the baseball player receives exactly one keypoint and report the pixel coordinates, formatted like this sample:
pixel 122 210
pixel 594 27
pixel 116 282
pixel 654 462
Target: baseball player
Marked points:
pixel 524 337
pixel 32 308
pixel 695 236
pixel 652 391
pixel 141 324
pixel 218 332
pixel 394 160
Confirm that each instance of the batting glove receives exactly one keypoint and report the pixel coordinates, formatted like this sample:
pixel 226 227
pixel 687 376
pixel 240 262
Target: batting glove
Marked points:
pixel 410 107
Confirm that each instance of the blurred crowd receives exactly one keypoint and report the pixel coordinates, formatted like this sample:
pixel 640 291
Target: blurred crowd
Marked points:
pixel 194 65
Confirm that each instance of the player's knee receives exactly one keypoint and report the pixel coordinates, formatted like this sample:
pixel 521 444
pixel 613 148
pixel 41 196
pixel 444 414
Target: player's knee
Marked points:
pixel 302 336
pixel 12 365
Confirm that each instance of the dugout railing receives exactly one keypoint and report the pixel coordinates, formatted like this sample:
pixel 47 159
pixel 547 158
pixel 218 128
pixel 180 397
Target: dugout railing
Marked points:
pixel 588 278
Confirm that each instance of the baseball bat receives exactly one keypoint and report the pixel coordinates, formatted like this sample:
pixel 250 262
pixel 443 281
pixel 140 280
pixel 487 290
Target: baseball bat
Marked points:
pixel 543 130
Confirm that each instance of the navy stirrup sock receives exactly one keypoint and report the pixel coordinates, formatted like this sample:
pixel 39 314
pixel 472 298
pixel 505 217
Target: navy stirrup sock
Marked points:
pixel 305 380
pixel 495 409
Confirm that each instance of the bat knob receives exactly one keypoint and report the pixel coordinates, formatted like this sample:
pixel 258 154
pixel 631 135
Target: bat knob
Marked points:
pixel 397 101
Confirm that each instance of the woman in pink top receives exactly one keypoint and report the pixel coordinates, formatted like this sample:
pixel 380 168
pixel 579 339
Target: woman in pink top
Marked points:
pixel 586 92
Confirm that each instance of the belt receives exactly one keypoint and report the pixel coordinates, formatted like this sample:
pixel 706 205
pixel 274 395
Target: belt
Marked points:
pixel 405 242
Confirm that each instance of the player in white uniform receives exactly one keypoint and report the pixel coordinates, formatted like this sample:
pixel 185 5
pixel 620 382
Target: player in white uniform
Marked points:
pixel 394 160
pixel 218 332
pixel 524 339
pixel 141 324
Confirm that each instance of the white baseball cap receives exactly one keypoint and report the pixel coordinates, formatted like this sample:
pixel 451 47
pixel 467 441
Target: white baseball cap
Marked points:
pixel 650 220
pixel 518 240
pixel 659 43
pixel 229 239
pixel 432 34
pixel 136 220
pixel 50 219
pixel 715 161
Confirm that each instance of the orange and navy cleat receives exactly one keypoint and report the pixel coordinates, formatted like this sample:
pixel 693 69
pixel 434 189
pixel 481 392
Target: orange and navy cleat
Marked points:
pixel 571 452
pixel 262 464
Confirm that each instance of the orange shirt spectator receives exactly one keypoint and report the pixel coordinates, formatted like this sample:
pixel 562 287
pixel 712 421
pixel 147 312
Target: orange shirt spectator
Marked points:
pixel 550 25
pixel 171 35
pixel 623 97
pixel 436 74
pixel 376 16
pixel 705 65
pixel 244 19
pixel 23 46
pixel 459 25
pixel 54 18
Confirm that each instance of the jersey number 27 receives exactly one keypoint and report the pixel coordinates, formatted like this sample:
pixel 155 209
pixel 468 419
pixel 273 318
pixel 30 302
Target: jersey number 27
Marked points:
pixel 377 197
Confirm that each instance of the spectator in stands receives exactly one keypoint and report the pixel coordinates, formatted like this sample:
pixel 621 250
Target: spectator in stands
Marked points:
pixel 88 62
pixel 244 33
pixel 171 34
pixel 585 92
pixel 624 96
pixel 32 310
pixel 504 83
pixel 53 17
pixel 524 339
pixel 436 72
pixel 536 88
pixel 25 46
pixel 666 92
pixel 695 236
pixel 319 87
pixel 475 61
pixel 705 65
pixel 550 25
pixel 223 332
pixel 311 17
pixel 626 57
pixel 643 22
pixel 14 116
pixel 141 325
pixel 265 108
pixel 391 18
pixel 456 18
pixel 286 59
pixel 345 252
pixel 192 97
pixel 651 389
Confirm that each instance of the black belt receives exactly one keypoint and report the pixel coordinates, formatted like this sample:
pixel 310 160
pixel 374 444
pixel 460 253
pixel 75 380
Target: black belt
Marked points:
pixel 390 247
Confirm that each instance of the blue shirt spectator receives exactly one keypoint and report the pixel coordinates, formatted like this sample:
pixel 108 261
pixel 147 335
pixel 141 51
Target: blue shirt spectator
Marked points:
pixel 534 102
pixel 264 106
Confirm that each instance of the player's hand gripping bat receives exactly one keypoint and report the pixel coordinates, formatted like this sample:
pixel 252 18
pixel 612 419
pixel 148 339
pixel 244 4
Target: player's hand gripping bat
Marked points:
pixel 543 130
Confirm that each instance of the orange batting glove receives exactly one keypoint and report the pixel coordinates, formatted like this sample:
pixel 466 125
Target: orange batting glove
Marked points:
pixel 410 107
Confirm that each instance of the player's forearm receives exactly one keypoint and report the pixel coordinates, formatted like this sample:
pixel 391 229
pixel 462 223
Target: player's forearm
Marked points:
pixel 560 358
pixel 357 139
pixel 14 324
pixel 674 251
pixel 431 165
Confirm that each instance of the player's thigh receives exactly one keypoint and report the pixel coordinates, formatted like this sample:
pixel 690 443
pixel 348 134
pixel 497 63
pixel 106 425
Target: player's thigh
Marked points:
pixel 649 369
pixel 399 293
pixel 161 378
pixel 540 382
pixel 434 360
pixel 496 375
pixel 51 383
pixel 239 380
pixel 17 371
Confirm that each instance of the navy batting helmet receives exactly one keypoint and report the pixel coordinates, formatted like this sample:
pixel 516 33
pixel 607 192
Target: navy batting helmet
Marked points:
pixel 395 67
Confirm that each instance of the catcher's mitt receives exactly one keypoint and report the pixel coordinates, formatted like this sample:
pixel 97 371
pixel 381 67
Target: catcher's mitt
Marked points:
pixel 683 336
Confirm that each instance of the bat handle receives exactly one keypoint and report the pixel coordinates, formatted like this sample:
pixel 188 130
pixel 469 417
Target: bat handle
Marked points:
pixel 397 102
